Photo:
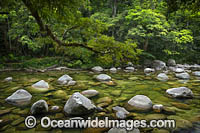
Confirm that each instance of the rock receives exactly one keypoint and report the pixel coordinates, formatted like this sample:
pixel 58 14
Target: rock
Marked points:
pixel 41 85
pixel 6 111
pixel 18 121
pixel 197 73
pixel 64 79
pixel 155 117
pixel 139 103
pixel 179 70
pixel 8 79
pixel 78 104
pixel 158 107
pixel 171 62
pixel 149 70
pixel 159 65
pixel 60 94
pixel 113 70
pixel 162 77
pixel 97 69
pixel 181 92
pixel 103 77
pixel 122 130
pixel 39 107
pixel 110 83
pixel 19 98
pixel 130 64
pixel 183 75
pixel 120 112
pixel 169 111
pixel 104 100
pixel 90 93
pixel 129 69
pixel 71 83
pixel 181 105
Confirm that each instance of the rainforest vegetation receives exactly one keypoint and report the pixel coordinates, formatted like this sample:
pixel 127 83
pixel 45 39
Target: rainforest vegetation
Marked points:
pixel 85 33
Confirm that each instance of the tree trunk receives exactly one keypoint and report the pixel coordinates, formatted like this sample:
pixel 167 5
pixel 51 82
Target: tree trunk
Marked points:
pixel 146 44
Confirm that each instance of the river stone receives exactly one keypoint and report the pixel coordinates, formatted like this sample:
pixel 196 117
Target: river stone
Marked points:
pixel 197 73
pixel 171 62
pixel 60 94
pixel 155 117
pixel 158 107
pixel 159 65
pixel 64 79
pixel 121 113
pixel 149 70
pixel 55 109
pixel 179 70
pixel 113 70
pixel 19 98
pixel 116 92
pixel 8 79
pixel 97 69
pixel 39 107
pixel 181 92
pixel 71 83
pixel 104 100
pixel 183 75
pixel 41 85
pixel 162 77
pixel 129 69
pixel 78 104
pixel 90 93
pixel 122 130
pixel 103 77
pixel 139 103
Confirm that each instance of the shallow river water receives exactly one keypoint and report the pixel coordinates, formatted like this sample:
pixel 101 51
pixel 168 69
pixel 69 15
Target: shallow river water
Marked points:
pixel 126 85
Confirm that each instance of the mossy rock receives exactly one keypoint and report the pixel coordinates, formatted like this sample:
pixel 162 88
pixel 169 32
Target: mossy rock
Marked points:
pixel 155 117
pixel 133 78
pixel 18 121
pixel 104 100
pixel 116 92
pixel 60 94
pixel 181 106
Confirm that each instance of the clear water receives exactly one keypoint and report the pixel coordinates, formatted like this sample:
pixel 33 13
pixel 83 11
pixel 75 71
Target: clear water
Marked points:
pixel 130 84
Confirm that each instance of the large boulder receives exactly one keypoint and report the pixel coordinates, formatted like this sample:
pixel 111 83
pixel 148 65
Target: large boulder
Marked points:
pixel 97 69
pixel 183 75
pixel 197 73
pixel 19 98
pixel 181 92
pixel 129 69
pixel 162 77
pixel 159 65
pixel 149 70
pixel 64 79
pixel 171 62
pixel 78 104
pixel 8 79
pixel 39 107
pixel 139 103
pixel 103 77
pixel 90 93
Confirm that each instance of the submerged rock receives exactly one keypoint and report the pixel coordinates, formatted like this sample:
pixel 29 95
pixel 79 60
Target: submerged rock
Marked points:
pixel 159 65
pixel 90 93
pixel 64 79
pixel 181 92
pixel 171 62
pixel 197 73
pixel 60 94
pixel 121 113
pixel 19 98
pixel 97 69
pixel 8 79
pixel 139 103
pixel 129 69
pixel 162 77
pixel 41 85
pixel 79 105
pixel 39 107
pixel 103 77
pixel 113 70
pixel 183 75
